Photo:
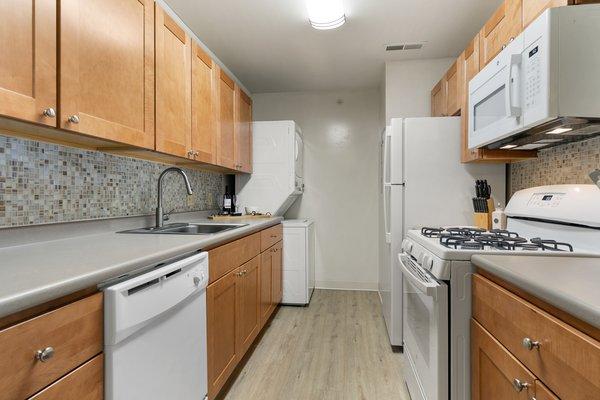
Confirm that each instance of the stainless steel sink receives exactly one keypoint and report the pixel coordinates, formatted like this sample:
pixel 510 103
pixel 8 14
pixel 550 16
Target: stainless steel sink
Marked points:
pixel 186 229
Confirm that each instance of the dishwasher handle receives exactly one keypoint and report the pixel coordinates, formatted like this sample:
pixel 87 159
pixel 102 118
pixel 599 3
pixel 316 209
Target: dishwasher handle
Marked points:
pixel 133 304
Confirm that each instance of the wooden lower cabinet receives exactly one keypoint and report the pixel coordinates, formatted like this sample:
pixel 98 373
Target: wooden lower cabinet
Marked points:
pixel 221 315
pixel 543 393
pixel 248 298
pixel 266 273
pixel 277 275
pixel 239 301
pixel 85 383
pixel 495 373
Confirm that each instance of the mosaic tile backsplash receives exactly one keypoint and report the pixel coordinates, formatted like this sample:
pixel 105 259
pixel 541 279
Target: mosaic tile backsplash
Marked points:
pixel 569 163
pixel 44 183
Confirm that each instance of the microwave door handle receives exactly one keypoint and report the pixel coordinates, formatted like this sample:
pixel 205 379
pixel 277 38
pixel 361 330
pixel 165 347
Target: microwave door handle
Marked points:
pixel 512 110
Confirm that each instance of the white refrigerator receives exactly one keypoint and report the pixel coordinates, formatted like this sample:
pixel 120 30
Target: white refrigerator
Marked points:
pixel 424 184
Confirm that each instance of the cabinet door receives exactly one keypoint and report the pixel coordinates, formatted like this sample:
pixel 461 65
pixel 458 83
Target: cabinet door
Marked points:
pixel 221 314
pixel 28 60
pixel 226 147
pixel 243 131
pixel 266 286
pixel 438 99
pixel 533 8
pixel 204 111
pixel 173 87
pixel 455 86
pixel 543 393
pixel 501 28
pixel 495 373
pixel 84 383
pixel 248 298
pixel 277 275
pixel 107 69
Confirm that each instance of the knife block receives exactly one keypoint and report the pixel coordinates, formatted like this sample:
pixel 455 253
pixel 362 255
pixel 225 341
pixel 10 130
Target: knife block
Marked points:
pixel 484 220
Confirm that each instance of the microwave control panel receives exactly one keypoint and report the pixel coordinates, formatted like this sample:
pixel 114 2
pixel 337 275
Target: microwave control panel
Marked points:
pixel 533 78
pixel 545 200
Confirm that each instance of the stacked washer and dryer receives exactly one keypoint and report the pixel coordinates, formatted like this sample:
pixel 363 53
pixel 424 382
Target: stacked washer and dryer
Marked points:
pixel 275 184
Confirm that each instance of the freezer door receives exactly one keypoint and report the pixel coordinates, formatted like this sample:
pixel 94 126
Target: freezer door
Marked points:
pixel 439 188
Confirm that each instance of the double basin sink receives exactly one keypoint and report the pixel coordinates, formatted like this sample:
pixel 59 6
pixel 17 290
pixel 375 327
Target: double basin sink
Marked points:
pixel 187 229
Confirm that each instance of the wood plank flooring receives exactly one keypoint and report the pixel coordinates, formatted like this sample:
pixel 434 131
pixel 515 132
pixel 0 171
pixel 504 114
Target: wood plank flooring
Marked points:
pixel 337 348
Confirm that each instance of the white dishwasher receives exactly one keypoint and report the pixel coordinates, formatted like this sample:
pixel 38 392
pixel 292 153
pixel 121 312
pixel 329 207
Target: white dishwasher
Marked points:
pixel 155 333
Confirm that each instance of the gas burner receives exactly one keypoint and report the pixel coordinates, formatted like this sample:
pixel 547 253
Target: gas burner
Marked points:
pixel 431 232
pixel 504 233
pixel 552 245
pixel 453 241
pixel 467 232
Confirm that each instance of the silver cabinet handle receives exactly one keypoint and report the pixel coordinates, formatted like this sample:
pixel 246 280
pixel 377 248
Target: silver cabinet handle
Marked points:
pixel 529 344
pixel 190 153
pixel 74 119
pixel 49 112
pixel 196 153
pixel 519 386
pixel 45 355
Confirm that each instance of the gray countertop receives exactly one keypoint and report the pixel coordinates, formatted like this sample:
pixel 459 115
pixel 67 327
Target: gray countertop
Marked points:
pixel 35 273
pixel 571 284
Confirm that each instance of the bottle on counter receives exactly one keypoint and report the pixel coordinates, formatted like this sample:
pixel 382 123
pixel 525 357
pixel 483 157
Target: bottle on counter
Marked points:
pixel 227 202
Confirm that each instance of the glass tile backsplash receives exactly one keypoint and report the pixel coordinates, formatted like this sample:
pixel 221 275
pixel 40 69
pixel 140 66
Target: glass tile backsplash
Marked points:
pixel 44 183
pixel 568 163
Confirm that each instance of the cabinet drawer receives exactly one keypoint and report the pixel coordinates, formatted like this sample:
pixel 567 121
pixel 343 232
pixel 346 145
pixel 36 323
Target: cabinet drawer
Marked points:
pixel 85 383
pixel 231 255
pixel 270 236
pixel 566 360
pixel 73 331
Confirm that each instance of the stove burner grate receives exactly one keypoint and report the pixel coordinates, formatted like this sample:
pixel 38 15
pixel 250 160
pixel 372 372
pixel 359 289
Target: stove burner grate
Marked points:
pixel 431 232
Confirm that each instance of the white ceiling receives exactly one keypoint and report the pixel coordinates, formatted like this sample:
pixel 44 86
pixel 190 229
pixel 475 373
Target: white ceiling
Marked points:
pixel 270 47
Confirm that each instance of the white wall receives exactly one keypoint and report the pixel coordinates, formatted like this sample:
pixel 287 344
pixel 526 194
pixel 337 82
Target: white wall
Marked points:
pixel 341 167
pixel 408 86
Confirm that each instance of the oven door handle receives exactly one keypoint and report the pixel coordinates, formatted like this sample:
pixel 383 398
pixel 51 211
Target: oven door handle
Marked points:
pixel 429 289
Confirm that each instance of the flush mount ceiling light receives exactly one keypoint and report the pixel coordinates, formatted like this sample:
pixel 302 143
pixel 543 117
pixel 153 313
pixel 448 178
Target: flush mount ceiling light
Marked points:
pixel 326 14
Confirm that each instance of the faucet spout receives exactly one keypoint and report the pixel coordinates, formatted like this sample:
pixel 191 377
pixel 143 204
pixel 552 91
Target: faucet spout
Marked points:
pixel 159 209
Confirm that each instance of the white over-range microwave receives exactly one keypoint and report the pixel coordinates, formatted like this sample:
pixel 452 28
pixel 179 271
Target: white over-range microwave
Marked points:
pixel 543 88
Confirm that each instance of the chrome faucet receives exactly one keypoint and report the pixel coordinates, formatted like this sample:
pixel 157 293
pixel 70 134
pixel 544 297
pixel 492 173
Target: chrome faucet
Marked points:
pixel 159 210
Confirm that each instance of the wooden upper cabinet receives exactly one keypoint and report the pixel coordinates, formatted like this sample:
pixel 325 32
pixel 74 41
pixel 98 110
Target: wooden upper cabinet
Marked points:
pixel 225 145
pixel 243 131
pixel 204 107
pixel 107 69
pixel 504 25
pixel 28 60
pixel 455 87
pixel 438 99
pixel 494 370
pixel 173 86
pixel 470 69
pixel 533 8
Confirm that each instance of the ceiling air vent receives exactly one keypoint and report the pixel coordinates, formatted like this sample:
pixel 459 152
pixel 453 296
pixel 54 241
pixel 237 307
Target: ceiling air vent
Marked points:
pixel 406 46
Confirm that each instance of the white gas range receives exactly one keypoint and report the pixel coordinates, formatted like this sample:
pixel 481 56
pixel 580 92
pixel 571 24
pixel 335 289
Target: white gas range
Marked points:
pixel 559 221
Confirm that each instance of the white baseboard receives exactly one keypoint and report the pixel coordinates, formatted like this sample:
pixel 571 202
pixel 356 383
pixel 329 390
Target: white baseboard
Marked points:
pixel 335 285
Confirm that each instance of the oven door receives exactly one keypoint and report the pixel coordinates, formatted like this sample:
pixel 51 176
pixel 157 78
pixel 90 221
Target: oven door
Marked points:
pixel 495 98
pixel 425 303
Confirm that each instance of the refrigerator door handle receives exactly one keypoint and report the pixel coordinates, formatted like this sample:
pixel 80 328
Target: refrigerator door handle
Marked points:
pixel 387 192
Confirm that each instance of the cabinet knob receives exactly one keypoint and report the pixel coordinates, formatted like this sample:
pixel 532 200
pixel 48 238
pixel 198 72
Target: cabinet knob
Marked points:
pixel 529 344
pixel 196 153
pixel 190 153
pixel 49 112
pixel 44 355
pixel 74 119
pixel 519 386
